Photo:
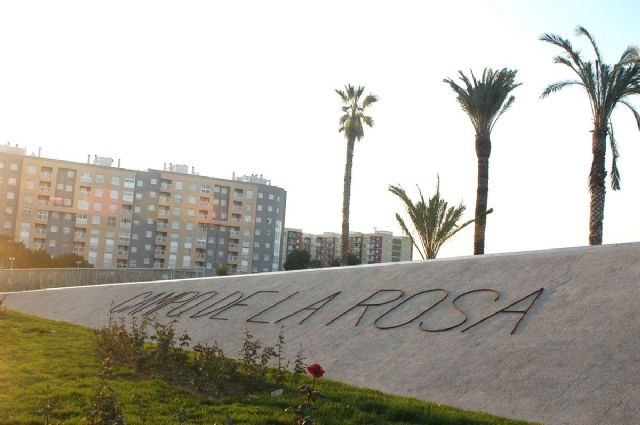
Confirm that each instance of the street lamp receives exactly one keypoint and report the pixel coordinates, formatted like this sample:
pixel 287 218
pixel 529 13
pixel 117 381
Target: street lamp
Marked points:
pixel 12 259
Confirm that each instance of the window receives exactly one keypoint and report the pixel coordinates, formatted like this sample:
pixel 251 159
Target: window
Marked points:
pixel 11 195
pixel 177 211
pixel 247 219
pixel 97 206
pixel 30 184
pixel 129 182
pixel 148 233
pixel 111 221
pixel 52 243
pixel 270 208
pixel 193 187
pixel 149 221
pixel 257 233
pixel 13 167
pixel 114 194
pixel 85 177
pixel 260 195
pixel 125 223
pixel 32 170
pixel 127 196
pixel 26 212
pixel 12 181
pixel 98 192
pixel 205 188
pixel 113 208
pixel 83 204
pixel 259 207
pixel 54 229
pixel 249 194
pixel 81 218
pixel 154 181
pixel 271 196
pixel 7 225
pixel 191 200
pixel 176 225
pixel 179 185
pixel 95 219
pixel 8 210
pixel 68 188
pixel 138 196
pixel 115 181
pixel 153 194
pixel 100 178
pixel 256 244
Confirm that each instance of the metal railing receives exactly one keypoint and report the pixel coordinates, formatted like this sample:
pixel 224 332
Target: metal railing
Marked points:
pixel 30 279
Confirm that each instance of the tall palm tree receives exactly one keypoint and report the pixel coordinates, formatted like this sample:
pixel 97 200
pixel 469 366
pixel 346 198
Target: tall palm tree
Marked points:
pixel 606 86
pixel 484 101
pixel 434 222
pixel 352 125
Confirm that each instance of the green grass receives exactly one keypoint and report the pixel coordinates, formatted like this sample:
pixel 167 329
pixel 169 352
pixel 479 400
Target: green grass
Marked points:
pixel 36 354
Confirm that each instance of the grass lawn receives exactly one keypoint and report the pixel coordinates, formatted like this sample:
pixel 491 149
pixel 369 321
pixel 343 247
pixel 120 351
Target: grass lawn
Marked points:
pixel 39 356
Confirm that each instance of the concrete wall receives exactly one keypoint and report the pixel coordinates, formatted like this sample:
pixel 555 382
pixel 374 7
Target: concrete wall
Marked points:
pixel 549 336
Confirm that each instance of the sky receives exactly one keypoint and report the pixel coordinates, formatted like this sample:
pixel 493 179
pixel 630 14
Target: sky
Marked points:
pixel 248 87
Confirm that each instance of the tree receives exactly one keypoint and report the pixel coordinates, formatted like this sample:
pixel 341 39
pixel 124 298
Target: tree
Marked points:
pixel 222 269
pixel 352 260
pixel 434 222
pixel 70 260
pixel 352 125
pixel 606 86
pixel 484 101
pixel 297 259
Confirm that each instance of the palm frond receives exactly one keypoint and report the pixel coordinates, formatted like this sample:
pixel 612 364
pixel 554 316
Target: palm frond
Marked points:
pixel 552 88
pixel 615 174
pixel 633 111
pixel 630 55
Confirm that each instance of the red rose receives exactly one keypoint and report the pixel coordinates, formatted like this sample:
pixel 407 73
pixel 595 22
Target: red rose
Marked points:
pixel 315 370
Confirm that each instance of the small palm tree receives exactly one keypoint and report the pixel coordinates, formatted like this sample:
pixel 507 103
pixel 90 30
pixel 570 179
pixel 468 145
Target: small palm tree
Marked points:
pixel 434 222
pixel 352 125
pixel 606 86
pixel 484 101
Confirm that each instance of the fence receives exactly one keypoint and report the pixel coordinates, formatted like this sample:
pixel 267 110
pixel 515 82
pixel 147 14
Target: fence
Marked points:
pixel 29 279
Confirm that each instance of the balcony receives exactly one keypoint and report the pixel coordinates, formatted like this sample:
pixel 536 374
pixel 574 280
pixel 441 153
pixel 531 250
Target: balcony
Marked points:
pixel 234 246
pixel 40 232
pixel 46 174
pixel 165 186
pixel 162 226
pixel 166 200
pixel 202 217
pixel 161 239
pixel 78 250
pixel 80 236
pixel 234 234
pixel 159 253
pixel 236 208
pixel 45 189
pixel 199 257
pixel 163 213
pixel 232 258
pixel 201 243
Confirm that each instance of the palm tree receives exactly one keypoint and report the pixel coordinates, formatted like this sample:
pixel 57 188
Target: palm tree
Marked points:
pixel 434 222
pixel 606 86
pixel 352 125
pixel 484 101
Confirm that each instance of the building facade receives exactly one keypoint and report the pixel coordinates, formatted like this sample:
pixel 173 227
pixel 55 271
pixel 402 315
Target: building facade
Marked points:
pixel 370 248
pixel 115 217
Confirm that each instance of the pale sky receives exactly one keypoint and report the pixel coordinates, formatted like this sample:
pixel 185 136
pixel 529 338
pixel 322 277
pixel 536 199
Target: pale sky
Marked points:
pixel 248 87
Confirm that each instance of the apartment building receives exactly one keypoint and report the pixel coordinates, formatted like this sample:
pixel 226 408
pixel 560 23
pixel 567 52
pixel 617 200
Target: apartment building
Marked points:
pixel 116 217
pixel 370 248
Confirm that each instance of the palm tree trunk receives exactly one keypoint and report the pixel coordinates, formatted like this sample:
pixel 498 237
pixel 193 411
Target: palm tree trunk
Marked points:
pixel 346 200
pixel 596 185
pixel 483 150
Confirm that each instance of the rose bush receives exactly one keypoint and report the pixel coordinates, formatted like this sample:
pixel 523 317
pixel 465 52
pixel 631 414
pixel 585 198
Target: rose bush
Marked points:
pixel 315 370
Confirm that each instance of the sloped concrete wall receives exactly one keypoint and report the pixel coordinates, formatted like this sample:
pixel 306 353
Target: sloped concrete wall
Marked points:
pixel 550 336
